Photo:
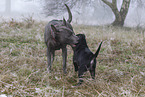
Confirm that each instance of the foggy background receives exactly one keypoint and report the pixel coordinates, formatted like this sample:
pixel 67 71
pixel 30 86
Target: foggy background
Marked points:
pixel 93 13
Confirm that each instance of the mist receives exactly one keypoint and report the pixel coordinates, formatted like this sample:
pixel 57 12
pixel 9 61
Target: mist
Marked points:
pixel 96 13
pixel 21 8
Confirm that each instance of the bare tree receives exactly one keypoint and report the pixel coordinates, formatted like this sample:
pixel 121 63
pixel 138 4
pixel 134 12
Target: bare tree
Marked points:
pixel 120 15
pixel 56 7
pixel 8 6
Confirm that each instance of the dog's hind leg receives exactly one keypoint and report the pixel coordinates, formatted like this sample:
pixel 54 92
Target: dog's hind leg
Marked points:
pixel 92 72
pixel 64 55
pixel 49 60
pixel 52 56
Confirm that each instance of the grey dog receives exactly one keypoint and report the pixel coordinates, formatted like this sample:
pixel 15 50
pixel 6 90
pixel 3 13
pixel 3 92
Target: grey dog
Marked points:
pixel 58 34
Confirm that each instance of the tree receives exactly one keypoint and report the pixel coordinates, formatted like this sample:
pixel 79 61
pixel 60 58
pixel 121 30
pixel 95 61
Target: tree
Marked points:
pixel 120 15
pixel 56 7
pixel 8 6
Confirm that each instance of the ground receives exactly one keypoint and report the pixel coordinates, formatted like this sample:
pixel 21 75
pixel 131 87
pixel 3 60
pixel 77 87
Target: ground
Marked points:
pixel 120 68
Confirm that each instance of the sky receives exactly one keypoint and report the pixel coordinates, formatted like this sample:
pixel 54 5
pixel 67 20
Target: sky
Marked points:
pixel 89 16
pixel 21 8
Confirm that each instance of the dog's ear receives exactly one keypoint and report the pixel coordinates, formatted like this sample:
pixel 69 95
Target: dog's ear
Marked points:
pixel 53 30
pixel 64 21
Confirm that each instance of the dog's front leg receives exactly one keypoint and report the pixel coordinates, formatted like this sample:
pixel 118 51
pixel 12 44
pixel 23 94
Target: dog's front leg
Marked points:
pixel 49 60
pixel 81 71
pixel 76 66
pixel 64 55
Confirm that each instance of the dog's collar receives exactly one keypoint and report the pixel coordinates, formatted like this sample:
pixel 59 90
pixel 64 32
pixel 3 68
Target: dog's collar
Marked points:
pixel 52 36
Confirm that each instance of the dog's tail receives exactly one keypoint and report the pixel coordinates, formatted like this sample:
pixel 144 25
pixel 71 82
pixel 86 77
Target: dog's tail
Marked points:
pixel 70 14
pixel 95 56
pixel 98 50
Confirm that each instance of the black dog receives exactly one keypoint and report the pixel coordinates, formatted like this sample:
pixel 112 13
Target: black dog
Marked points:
pixel 83 59
pixel 58 34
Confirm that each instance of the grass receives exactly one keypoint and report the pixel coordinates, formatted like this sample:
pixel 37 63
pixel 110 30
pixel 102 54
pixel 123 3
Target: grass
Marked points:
pixel 120 69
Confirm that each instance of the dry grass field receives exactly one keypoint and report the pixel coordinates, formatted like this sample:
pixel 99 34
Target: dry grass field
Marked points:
pixel 120 70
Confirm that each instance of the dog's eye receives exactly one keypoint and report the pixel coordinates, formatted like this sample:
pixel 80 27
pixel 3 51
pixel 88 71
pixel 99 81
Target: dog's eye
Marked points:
pixel 79 36
pixel 70 34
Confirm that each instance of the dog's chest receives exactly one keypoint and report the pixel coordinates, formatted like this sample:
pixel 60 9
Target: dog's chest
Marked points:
pixel 57 46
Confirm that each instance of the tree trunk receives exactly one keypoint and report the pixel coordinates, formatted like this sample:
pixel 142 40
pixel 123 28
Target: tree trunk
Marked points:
pixel 118 21
pixel 8 6
pixel 120 16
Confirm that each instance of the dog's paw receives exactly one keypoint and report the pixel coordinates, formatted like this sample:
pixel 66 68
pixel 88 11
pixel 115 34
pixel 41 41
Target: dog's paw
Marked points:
pixel 48 70
pixel 77 85
pixel 74 86
pixel 65 72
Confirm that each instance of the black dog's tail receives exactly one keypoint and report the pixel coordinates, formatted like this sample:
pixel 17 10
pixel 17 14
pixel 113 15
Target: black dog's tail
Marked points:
pixel 97 52
pixel 70 14
pixel 95 56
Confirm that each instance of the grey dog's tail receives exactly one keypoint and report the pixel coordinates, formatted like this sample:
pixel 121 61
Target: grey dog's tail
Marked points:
pixel 97 52
pixel 70 14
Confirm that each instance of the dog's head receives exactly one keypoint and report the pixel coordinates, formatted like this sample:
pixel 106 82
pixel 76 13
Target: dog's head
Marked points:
pixel 82 39
pixel 64 35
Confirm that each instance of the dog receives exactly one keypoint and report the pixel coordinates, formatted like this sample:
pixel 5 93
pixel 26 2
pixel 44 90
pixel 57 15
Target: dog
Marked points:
pixel 58 34
pixel 83 59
